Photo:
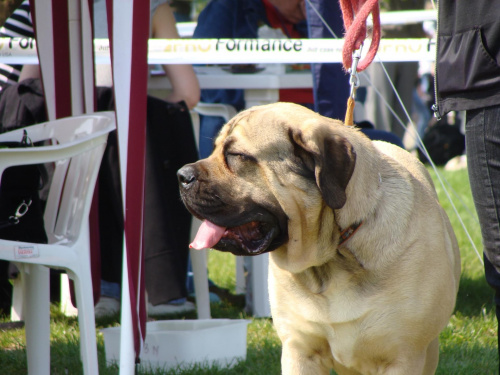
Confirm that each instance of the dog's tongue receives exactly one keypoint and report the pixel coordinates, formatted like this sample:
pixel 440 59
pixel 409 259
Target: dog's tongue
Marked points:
pixel 208 235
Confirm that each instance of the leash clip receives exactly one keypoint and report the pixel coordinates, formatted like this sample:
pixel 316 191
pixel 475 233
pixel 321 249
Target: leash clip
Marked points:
pixel 354 78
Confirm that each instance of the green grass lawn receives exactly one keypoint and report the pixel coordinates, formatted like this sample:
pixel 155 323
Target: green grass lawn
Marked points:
pixel 468 344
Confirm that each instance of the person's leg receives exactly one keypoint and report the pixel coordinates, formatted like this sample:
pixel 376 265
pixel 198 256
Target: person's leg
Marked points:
pixel 110 213
pixel 483 154
pixel 110 231
pixel 5 289
pixel 483 163
pixel 166 256
pixel 376 108
pixel 381 135
pixel 405 76
pixel 330 81
pixel 169 145
pixel 424 115
pixel 493 278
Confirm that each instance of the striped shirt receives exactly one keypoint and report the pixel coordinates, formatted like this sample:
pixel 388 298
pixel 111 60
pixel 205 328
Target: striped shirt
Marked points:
pixel 19 24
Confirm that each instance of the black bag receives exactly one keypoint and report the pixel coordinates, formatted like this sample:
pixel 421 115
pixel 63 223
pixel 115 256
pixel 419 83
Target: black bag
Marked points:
pixel 21 213
pixel 443 142
pixel 21 105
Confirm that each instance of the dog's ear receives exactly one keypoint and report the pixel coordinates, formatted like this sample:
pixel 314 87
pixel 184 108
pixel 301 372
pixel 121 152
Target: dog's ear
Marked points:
pixel 330 157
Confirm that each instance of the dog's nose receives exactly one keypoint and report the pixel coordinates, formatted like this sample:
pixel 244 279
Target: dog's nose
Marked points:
pixel 186 175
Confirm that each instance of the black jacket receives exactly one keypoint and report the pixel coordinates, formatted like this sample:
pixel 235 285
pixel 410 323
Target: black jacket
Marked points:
pixel 468 55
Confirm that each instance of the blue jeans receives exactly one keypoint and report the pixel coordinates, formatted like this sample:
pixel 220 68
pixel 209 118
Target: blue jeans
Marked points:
pixel 382 135
pixel 209 129
pixel 424 114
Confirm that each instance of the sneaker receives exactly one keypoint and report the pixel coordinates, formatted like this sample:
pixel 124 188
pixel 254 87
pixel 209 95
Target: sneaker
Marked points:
pixel 457 163
pixel 170 308
pixel 106 306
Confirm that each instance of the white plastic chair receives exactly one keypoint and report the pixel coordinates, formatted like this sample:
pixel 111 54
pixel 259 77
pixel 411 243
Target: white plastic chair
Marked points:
pixel 77 146
pixel 198 258
pixel 225 111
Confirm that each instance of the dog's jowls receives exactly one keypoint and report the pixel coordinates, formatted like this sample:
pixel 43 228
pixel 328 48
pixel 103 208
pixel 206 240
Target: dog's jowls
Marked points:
pixel 285 180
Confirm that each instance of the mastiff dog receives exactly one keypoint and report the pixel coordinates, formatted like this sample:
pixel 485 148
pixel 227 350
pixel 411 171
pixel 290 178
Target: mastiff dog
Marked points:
pixel 364 265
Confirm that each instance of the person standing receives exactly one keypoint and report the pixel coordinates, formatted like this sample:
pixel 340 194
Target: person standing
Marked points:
pixel 402 74
pixel 247 19
pixel 468 79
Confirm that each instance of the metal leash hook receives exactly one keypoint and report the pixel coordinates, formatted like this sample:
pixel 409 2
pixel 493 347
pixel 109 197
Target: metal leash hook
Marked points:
pixel 354 82
pixel 353 71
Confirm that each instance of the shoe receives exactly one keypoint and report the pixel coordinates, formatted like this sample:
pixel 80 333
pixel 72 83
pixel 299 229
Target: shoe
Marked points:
pixel 170 308
pixel 457 163
pixel 106 306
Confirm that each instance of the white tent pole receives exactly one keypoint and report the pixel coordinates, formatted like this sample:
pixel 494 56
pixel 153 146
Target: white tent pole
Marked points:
pixel 75 53
pixel 122 57
pixel 87 48
pixel 44 28
pixel 127 351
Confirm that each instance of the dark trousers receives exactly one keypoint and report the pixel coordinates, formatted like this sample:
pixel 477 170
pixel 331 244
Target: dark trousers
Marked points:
pixel 169 145
pixel 483 163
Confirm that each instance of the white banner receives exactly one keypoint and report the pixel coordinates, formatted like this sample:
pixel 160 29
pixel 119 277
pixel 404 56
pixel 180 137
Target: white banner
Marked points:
pixel 237 51
pixel 18 51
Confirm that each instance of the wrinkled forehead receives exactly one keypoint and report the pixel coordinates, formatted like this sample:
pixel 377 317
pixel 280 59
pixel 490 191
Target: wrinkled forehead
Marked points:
pixel 254 124
pixel 270 124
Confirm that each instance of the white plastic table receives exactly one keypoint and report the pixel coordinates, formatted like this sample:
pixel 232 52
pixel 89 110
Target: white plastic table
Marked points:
pixel 260 88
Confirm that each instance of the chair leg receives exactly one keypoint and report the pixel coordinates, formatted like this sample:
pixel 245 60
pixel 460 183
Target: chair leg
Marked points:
pixel 200 276
pixel 37 318
pixel 66 306
pixel 240 276
pixel 86 319
pixel 16 311
pixel 260 293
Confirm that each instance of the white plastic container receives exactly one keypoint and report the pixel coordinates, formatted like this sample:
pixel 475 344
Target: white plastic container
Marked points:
pixel 173 343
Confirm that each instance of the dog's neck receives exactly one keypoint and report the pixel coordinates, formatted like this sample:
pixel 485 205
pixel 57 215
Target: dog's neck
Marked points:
pixel 317 279
pixel 344 265
pixel 348 232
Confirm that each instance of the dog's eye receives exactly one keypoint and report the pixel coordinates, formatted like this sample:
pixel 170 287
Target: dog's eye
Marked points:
pixel 240 156
pixel 234 159
pixel 243 157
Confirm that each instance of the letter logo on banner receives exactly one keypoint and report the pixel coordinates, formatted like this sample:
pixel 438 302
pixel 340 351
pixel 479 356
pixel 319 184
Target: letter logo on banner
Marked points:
pixel 236 51
pixel 186 46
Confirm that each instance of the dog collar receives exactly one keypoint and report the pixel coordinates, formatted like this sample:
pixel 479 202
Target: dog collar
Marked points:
pixel 348 233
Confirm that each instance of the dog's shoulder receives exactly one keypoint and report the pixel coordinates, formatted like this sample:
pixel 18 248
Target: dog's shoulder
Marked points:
pixel 406 160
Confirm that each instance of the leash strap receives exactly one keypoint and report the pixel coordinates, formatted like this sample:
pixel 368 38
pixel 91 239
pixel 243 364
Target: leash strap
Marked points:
pixel 349 115
pixel 355 14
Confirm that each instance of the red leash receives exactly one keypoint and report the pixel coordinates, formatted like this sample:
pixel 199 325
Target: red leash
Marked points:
pixel 355 13
pixel 356 30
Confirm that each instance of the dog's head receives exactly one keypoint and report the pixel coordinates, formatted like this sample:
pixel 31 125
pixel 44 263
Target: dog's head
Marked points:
pixel 276 176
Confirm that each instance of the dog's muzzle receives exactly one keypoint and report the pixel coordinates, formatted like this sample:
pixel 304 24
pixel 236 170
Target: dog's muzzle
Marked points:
pixel 255 232
pixel 187 175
